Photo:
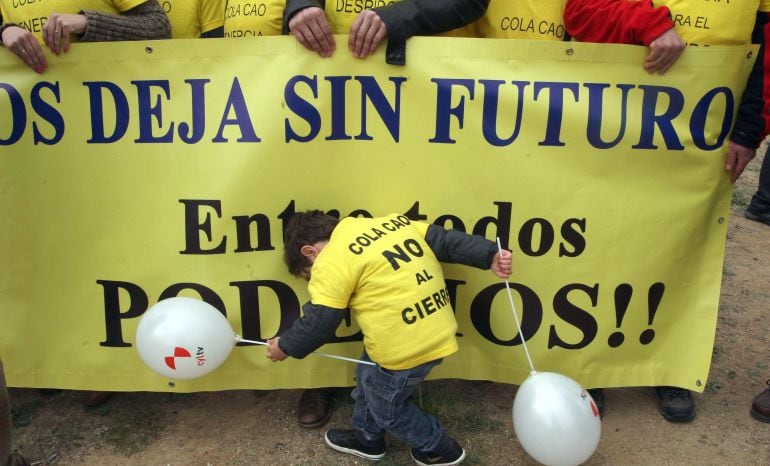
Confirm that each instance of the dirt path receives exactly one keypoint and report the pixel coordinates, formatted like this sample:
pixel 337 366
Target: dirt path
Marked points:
pixel 260 428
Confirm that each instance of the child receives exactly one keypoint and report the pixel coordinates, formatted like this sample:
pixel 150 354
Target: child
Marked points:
pixel 387 271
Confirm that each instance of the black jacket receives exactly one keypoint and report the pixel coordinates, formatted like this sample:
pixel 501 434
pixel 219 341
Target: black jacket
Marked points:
pixel 753 120
pixel 408 18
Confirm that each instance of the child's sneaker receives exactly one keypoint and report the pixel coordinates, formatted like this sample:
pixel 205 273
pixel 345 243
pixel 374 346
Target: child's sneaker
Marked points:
pixel 447 453
pixel 350 441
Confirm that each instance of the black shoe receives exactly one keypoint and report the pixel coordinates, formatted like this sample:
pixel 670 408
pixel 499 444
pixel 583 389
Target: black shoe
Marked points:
pixel 350 441
pixel 598 395
pixel 16 459
pixel 95 399
pixel 315 407
pixel 763 217
pixel 447 453
pixel 676 404
pixel 760 407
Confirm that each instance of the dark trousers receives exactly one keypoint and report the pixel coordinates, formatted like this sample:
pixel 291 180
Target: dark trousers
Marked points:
pixel 5 419
pixel 760 203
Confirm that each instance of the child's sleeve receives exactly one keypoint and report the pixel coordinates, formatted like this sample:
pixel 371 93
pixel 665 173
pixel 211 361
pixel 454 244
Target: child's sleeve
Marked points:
pixel 308 333
pixel 456 247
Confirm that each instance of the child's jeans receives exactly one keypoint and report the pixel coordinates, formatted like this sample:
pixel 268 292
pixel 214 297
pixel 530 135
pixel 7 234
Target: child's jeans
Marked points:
pixel 382 403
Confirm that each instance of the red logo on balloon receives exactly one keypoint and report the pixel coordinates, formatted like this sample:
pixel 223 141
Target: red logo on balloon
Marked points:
pixel 594 409
pixel 178 353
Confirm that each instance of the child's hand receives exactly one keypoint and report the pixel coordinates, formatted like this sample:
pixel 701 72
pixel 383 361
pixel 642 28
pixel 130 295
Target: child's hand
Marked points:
pixel 274 352
pixel 501 264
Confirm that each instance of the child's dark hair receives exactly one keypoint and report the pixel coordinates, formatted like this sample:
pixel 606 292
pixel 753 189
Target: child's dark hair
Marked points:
pixel 305 228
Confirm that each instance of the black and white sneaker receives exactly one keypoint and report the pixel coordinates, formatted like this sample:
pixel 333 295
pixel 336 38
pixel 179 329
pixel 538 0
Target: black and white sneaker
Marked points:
pixel 350 441
pixel 447 453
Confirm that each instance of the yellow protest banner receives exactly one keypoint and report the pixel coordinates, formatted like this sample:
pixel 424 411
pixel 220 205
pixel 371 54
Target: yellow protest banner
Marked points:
pixel 133 172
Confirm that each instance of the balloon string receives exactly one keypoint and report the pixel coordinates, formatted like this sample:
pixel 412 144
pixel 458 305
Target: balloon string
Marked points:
pixel 515 315
pixel 238 338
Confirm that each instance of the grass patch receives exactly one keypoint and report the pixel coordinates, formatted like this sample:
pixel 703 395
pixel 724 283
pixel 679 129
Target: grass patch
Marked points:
pixel 449 406
pixel 472 458
pixel 389 461
pixel 476 420
pixel 758 373
pixel 741 198
pixel 438 400
pixel 713 387
pixel 130 431
pixel 22 413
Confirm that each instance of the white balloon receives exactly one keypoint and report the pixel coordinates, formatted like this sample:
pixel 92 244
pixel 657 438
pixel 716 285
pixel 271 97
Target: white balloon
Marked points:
pixel 556 420
pixel 184 338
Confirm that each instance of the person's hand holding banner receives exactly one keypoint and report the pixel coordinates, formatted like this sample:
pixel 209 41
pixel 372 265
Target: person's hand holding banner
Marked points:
pixel 312 30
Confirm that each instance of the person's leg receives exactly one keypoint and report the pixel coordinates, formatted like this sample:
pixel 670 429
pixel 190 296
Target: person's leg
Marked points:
pixel 676 404
pixel 367 438
pixel 97 398
pixel 362 419
pixel 759 207
pixel 315 406
pixel 382 402
pixel 5 419
pixel 388 401
pixel 760 407
pixel 6 457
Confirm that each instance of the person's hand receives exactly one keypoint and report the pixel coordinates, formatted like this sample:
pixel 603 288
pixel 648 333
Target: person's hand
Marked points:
pixel 501 264
pixel 738 157
pixel 366 33
pixel 274 352
pixel 59 27
pixel 21 42
pixel 312 30
pixel 664 51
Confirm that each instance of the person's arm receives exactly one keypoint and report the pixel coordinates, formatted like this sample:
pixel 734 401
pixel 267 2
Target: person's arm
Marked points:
pixel 211 15
pixel 294 6
pixel 308 333
pixel 753 120
pixel 627 22
pixel 144 22
pixel 306 19
pixel 456 247
pixel 616 21
pixel 214 33
pixel 409 18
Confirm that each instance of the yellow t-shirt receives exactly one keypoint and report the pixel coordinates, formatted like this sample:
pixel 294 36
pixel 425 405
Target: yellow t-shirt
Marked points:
pixel 191 18
pixel 342 13
pixel 715 22
pixel 526 19
pixel 32 14
pixel 253 18
pixel 385 272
